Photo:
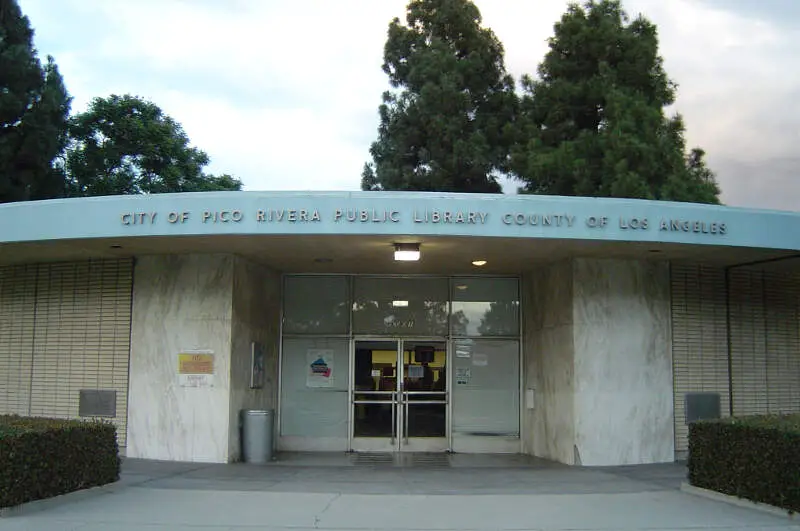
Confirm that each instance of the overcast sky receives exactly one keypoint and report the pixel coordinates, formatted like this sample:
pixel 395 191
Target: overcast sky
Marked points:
pixel 284 94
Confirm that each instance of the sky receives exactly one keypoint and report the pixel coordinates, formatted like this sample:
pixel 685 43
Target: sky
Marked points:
pixel 284 95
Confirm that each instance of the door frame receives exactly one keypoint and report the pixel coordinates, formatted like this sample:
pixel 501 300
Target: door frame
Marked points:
pixel 385 444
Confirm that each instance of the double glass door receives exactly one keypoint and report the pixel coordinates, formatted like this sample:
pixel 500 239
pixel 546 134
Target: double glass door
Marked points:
pixel 399 396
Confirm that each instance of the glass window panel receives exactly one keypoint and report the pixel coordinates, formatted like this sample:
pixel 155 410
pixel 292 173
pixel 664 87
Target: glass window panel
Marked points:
pixel 486 387
pixel 485 307
pixel 316 305
pixel 314 399
pixel 400 306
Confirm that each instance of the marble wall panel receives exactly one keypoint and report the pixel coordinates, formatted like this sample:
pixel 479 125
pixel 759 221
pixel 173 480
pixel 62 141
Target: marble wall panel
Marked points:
pixel 554 426
pixel 180 303
pixel 548 362
pixel 623 362
pixel 256 318
pixel 531 344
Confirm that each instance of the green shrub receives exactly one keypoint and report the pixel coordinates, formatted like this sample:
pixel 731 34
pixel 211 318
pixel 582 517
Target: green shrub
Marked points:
pixel 41 458
pixel 757 458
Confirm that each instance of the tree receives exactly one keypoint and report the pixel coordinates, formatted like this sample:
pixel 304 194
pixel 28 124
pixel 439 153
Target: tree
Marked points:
pixel 500 319
pixel 34 108
pixel 593 123
pixel 126 145
pixel 446 123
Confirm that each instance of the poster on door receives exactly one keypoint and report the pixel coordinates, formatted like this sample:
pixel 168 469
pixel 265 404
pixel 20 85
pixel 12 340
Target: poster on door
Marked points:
pixel 319 368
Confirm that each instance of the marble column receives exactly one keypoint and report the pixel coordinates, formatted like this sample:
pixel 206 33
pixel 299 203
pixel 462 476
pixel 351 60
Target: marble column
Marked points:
pixel 623 362
pixel 597 352
pixel 180 304
pixel 549 359
pixel 256 319
pixel 219 304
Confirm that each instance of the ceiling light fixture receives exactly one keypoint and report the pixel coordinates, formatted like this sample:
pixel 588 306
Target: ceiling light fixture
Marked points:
pixel 406 252
pixel 479 263
pixel 399 303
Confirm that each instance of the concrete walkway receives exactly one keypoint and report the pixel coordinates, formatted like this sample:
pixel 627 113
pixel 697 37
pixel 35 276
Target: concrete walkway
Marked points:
pixel 342 492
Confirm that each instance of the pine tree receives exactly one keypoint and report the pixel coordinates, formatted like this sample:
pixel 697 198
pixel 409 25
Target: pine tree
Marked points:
pixel 446 123
pixel 593 123
pixel 34 109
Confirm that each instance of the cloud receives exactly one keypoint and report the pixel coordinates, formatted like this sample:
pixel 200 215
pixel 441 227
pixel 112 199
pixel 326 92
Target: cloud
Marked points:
pixel 285 94
pixel 739 93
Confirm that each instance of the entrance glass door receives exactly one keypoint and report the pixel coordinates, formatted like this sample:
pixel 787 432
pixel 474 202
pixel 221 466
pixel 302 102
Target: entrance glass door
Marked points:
pixel 399 396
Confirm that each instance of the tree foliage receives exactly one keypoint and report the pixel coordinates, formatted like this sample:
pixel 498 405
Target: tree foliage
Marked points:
pixel 34 108
pixel 127 145
pixel 446 123
pixel 593 122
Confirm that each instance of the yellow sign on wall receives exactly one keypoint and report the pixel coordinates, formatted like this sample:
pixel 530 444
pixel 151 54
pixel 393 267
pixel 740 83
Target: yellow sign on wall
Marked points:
pixel 195 363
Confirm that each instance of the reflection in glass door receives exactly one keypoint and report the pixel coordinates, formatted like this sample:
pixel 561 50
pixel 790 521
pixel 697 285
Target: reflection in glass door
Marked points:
pixel 399 396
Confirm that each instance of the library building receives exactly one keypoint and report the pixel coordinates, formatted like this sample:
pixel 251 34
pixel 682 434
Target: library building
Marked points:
pixel 584 331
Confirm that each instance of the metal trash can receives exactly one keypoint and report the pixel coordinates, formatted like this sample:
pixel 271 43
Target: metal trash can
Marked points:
pixel 257 435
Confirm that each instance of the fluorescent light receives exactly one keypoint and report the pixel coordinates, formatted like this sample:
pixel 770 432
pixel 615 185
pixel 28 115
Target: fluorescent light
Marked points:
pixel 406 256
pixel 400 304
pixel 479 263
pixel 461 287
pixel 406 252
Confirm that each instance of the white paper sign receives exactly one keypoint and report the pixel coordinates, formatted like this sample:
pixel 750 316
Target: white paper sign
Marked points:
pixel 196 380
pixel 480 360
pixel 319 368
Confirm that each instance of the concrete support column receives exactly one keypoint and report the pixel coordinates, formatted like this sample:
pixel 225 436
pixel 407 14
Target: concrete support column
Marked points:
pixel 599 360
pixel 217 304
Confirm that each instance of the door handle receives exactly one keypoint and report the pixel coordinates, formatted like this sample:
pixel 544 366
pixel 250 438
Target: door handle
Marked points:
pixel 405 419
pixel 394 417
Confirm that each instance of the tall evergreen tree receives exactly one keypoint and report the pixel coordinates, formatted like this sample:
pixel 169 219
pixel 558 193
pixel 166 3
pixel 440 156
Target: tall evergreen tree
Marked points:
pixel 34 109
pixel 446 125
pixel 127 145
pixel 593 123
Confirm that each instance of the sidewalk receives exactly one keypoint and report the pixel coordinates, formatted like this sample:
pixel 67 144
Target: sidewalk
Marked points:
pixel 371 492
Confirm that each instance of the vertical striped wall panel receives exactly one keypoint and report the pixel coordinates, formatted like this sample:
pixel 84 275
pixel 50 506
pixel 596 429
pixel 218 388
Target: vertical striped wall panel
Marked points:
pixel 17 317
pixel 748 343
pixel 764 356
pixel 782 296
pixel 79 337
pixel 699 340
pixel 765 342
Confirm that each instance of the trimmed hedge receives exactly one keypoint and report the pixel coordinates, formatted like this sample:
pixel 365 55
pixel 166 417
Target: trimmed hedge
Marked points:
pixel 41 458
pixel 757 458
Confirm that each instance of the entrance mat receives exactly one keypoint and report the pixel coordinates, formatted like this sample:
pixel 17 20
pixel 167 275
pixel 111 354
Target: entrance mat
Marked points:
pixel 437 460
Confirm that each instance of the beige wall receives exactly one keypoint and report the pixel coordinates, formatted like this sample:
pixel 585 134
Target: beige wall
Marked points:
pixel 699 340
pixel 765 342
pixel 17 319
pixel 64 327
pixel 764 355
